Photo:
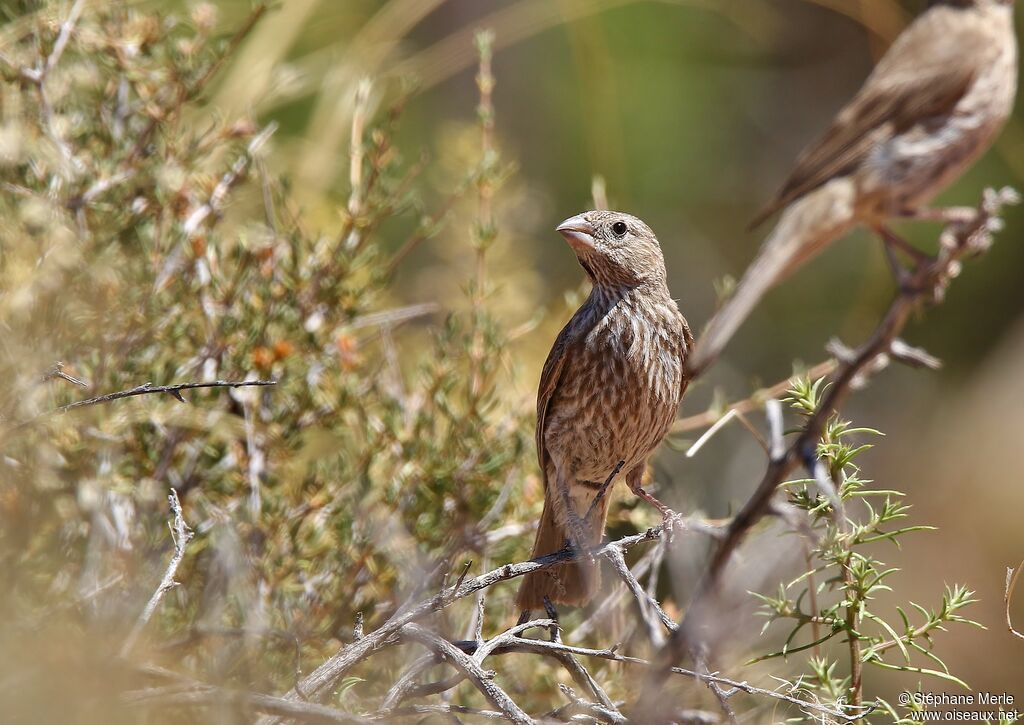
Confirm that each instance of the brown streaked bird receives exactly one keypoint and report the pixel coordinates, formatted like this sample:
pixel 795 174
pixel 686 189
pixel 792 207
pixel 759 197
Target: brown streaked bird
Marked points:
pixel 609 391
pixel 934 103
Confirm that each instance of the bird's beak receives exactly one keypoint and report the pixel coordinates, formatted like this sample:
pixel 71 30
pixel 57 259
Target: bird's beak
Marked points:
pixel 578 232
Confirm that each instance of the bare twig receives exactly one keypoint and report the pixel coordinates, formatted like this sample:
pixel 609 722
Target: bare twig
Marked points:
pixel 144 389
pixel 468 666
pixel 650 611
pixel 598 192
pixel 579 672
pixel 181 534
pixel 407 682
pixel 356 187
pixel 390 318
pixel 66 28
pixel 175 390
pixel 1011 584
pixel 539 646
pixel 57 371
pixel 215 204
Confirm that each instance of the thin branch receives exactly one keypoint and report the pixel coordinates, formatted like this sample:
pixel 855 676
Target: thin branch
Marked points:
pixel 407 682
pixel 175 390
pixel 579 672
pixel 468 666
pixel 651 612
pixel 356 153
pixel 1011 584
pixel 230 179
pixel 752 403
pixel 57 371
pixel 66 28
pixel 181 534
pixel 144 389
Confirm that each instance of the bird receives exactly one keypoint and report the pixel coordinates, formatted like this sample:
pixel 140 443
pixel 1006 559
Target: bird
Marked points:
pixel 935 102
pixel 609 391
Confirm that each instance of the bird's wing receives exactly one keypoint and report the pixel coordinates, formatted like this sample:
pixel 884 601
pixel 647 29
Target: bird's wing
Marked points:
pixel 925 74
pixel 570 336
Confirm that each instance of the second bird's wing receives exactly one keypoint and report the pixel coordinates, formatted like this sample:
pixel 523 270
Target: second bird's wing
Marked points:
pixel 924 74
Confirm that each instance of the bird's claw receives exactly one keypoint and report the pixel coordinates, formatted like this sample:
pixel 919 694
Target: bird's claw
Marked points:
pixel 670 521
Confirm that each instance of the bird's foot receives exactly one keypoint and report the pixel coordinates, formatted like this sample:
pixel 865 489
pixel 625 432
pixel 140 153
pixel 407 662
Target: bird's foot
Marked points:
pixel 669 518
pixel 579 536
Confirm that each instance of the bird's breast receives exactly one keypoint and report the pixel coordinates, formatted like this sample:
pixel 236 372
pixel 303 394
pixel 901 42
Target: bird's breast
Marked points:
pixel 620 389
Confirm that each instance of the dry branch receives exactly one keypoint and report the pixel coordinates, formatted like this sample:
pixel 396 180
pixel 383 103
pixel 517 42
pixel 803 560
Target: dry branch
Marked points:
pixel 181 534
pixel 144 389
pixel 469 666
pixel 1011 584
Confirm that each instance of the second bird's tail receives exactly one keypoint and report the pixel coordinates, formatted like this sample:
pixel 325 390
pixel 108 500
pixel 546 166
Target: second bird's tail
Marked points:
pixel 804 229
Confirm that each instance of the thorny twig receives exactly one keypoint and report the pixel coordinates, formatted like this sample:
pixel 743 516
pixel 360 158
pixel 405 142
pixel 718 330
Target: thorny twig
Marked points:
pixel 144 389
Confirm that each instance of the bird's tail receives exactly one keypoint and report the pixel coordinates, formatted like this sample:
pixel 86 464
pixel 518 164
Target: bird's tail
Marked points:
pixel 574 583
pixel 804 229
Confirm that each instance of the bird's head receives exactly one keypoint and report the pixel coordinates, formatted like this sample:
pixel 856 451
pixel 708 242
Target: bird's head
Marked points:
pixel 614 248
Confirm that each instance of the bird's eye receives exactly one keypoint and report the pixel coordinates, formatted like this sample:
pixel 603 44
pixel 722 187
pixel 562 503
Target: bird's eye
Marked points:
pixel 619 229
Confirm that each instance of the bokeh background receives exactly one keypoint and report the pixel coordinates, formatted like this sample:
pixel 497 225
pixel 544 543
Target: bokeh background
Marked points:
pixel 691 112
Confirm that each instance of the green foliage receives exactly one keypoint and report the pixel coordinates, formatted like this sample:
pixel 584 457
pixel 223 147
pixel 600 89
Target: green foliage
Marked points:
pixel 834 603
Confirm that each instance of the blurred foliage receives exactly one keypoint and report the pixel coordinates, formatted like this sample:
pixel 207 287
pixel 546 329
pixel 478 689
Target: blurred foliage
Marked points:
pixel 201 192
pixel 146 240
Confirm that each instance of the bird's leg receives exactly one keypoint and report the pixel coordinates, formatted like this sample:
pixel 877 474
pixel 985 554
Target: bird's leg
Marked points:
pixel 893 242
pixel 899 272
pixel 575 527
pixel 634 479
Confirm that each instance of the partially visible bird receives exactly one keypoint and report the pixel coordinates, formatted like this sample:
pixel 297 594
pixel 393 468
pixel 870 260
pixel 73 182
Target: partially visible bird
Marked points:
pixel 935 102
pixel 609 391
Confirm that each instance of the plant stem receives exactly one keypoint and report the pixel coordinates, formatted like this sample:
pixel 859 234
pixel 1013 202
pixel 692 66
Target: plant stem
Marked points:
pixel 855 694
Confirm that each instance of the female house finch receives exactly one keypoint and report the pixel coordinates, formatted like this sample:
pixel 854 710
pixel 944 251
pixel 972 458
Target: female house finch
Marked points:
pixel 609 392
pixel 934 104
